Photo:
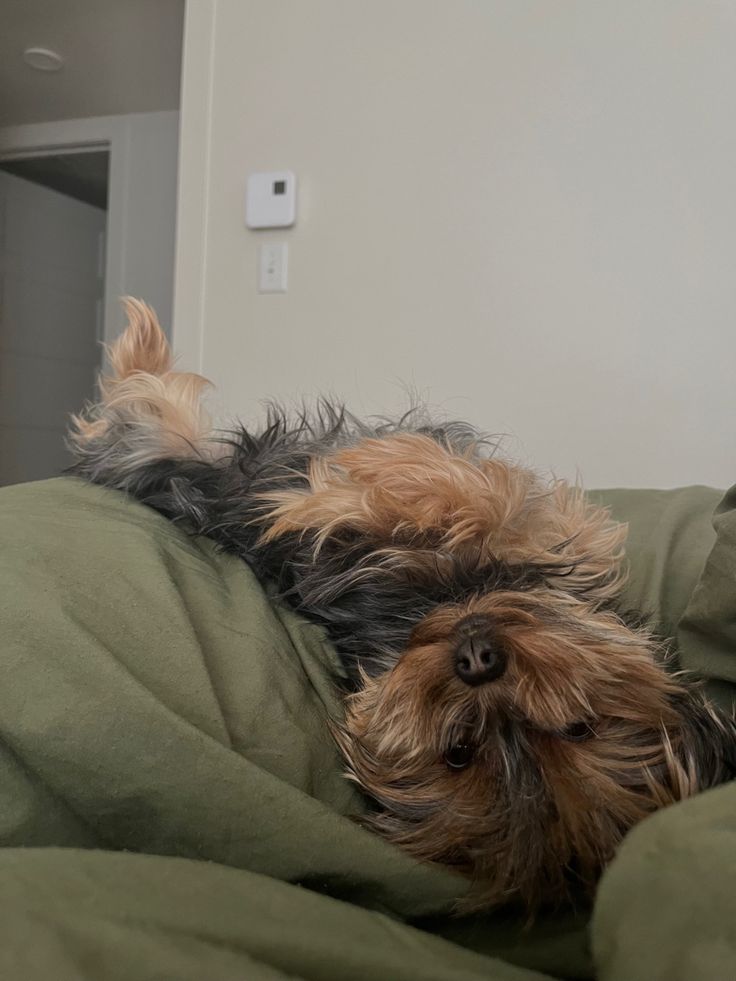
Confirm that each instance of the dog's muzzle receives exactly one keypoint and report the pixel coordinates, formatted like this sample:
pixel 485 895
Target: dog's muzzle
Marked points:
pixel 478 656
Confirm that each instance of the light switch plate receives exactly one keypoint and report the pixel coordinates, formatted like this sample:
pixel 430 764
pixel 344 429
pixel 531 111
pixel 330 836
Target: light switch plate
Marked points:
pixel 273 268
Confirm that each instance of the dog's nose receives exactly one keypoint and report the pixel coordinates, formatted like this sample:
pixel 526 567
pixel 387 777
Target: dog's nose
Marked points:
pixel 478 658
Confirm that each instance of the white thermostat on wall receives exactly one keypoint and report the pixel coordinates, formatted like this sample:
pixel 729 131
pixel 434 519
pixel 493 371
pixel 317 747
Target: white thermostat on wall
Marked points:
pixel 270 199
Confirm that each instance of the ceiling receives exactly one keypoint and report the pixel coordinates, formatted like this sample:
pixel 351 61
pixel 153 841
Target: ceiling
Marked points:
pixel 120 56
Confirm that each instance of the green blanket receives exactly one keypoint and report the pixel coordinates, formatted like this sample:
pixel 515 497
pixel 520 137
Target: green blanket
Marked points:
pixel 171 807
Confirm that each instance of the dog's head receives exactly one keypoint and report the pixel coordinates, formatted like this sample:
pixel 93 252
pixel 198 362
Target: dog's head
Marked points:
pixel 520 736
pixel 505 721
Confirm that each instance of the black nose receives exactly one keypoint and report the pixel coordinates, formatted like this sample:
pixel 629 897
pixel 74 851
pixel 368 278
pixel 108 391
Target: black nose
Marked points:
pixel 478 658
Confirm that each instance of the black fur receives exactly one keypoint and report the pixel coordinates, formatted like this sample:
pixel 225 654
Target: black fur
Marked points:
pixel 710 747
pixel 371 594
pixel 362 596
pixel 368 605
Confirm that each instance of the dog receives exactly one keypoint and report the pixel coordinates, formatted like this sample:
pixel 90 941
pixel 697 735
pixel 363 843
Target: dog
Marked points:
pixel 503 718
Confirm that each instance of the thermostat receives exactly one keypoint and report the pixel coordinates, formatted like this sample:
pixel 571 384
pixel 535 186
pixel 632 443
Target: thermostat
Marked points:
pixel 270 199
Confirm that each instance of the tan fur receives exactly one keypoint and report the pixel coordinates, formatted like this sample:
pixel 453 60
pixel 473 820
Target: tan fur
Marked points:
pixel 410 489
pixel 566 663
pixel 161 408
pixel 452 535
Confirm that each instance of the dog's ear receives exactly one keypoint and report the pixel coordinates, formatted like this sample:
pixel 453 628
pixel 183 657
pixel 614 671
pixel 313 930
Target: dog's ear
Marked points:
pixel 409 490
pixel 579 542
pixel 707 745
pixel 404 487
pixel 147 411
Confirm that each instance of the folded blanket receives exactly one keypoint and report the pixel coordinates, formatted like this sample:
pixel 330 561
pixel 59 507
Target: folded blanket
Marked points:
pixel 154 700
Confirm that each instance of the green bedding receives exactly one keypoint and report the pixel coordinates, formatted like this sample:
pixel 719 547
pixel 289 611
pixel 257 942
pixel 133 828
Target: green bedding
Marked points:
pixel 171 807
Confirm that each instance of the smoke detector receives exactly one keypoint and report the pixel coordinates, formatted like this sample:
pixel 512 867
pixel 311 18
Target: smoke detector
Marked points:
pixel 43 59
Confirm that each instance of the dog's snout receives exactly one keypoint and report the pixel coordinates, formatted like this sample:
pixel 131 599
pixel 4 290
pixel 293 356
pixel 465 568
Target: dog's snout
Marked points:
pixel 478 656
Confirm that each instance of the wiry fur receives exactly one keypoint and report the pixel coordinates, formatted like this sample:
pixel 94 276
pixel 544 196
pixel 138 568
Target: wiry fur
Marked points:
pixel 396 536
pixel 536 814
pixel 147 411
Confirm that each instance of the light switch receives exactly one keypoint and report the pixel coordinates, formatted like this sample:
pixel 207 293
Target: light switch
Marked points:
pixel 272 268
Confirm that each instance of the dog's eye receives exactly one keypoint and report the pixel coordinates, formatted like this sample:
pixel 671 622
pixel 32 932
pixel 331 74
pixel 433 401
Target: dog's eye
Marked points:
pixel 459 756
pixel 577 732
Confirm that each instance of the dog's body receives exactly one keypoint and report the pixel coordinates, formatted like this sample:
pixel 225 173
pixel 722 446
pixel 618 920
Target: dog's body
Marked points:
pixel 504 719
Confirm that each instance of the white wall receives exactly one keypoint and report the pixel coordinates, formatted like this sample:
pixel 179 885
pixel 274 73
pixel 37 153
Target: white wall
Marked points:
pixel 524 210
pixel 149 211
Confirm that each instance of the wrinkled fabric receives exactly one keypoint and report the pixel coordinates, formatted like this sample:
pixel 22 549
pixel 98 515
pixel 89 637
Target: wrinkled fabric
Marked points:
pixel 171 804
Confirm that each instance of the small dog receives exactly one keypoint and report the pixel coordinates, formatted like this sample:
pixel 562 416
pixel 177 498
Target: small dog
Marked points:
pixel 506 722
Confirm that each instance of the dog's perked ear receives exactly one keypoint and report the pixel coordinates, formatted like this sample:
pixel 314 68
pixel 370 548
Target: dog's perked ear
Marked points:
pixel 147 411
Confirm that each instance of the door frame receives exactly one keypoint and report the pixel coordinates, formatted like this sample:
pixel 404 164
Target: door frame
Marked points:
pixel 110 133
pixel 193 203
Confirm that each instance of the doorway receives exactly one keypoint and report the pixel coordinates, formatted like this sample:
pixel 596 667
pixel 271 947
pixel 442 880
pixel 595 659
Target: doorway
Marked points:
pixel 53 207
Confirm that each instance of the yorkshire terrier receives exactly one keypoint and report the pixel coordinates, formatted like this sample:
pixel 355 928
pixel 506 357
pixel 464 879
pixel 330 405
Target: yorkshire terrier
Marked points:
pixel 503 718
